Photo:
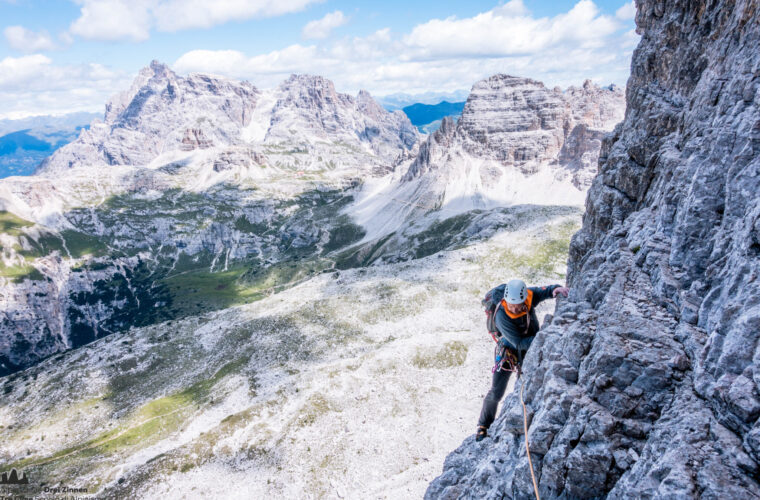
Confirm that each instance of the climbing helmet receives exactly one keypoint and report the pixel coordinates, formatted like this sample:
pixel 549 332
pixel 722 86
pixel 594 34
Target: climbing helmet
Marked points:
pixel 517 292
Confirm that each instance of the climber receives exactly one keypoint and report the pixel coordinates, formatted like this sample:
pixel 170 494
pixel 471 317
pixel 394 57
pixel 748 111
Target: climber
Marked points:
pixel 513 324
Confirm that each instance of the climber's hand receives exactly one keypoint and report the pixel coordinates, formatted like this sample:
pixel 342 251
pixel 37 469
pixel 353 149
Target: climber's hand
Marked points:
pixel 562 290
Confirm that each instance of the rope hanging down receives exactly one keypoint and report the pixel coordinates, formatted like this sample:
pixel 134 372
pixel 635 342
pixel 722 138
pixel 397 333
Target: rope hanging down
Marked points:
pixel 527 446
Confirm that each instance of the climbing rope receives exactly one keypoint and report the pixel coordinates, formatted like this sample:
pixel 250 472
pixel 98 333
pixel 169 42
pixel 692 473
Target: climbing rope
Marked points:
pixel 527 446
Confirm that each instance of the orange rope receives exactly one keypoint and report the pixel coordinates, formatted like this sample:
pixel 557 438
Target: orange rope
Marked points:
pixel 527 447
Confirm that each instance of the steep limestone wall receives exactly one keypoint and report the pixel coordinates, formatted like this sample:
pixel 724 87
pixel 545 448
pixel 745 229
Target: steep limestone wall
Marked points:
pixel 646 382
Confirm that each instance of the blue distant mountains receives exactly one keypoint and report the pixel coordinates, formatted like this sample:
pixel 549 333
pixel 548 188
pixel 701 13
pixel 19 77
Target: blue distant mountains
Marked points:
pixel 427 117
pixel 26 142
pixel 392 102
pixel 426 110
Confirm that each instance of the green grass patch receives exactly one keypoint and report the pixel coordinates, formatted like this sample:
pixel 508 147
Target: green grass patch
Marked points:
pixel 244 225
pixel 544 256
pixel 362 255
pixel 17 274
pixel 345 233
pixel 12 224
pixel 199 290
pixel 452 354
pixel 147 424
pixel 442 235
pixel 316 406
pixel 46 244
pixel 81 244
pixel 537 258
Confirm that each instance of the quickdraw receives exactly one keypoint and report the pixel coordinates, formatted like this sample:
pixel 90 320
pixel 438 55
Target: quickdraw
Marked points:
pixel 506 360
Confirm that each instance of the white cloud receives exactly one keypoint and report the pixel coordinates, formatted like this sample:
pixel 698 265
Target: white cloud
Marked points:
pixel 448 54
pixel 19 70
pixel 321 28
pixel 34 85
pixel 24 40
pixel 113 20
pixel 509 32
pixel 513 8
pixel 134 19
pixel 173 15
pixel 293 59
pixel 626 12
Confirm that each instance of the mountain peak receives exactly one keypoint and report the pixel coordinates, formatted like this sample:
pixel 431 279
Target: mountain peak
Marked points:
pixel 368 105
pixel 155 70
pixel 310 81
pixel 504 81
pixel 157 65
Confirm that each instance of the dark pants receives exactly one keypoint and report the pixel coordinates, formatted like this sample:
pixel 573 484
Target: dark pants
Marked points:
pixel 498 386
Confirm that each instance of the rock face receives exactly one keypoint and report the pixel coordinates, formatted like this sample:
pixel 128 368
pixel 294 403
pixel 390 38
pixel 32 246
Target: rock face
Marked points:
pixel 517 142
pixel 519 123
pixel 310 105
pixel 645 384
pixel 163 112
pixel 513 120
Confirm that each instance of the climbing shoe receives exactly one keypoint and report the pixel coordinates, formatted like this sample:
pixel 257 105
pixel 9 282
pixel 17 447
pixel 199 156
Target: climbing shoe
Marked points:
pixel 481 433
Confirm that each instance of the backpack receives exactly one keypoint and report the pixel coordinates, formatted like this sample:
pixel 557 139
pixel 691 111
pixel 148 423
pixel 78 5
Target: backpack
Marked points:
pixel 491 303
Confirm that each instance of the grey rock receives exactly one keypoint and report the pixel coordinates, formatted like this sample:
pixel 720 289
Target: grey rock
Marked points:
pixel 520 123
pixel 664 278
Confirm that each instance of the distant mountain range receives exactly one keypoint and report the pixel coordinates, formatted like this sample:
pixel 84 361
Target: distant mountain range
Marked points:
pixel 427 117
pixel 400 100
pixel 24 143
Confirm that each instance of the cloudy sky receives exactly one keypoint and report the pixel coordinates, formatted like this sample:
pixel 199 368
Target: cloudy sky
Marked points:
pixel 59 56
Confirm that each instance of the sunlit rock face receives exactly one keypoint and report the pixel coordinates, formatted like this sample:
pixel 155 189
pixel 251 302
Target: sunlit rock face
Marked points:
pixel 163 112
pixel 520 123
pixel 645 385
pixel 516 142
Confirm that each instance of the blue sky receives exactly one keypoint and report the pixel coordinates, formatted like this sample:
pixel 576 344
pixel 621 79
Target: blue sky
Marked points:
pixel 61 56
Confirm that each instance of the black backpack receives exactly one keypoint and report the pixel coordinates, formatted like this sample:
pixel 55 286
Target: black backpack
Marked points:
pixel 491 303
